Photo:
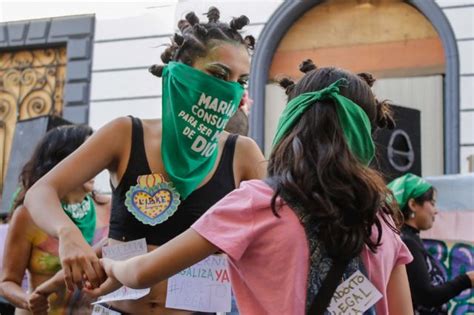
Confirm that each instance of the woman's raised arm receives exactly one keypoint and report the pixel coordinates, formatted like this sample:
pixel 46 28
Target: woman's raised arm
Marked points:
pixel 101 151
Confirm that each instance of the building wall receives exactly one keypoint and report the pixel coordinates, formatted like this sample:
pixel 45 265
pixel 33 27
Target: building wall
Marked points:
pixel 129 37
pixel 425 94
pixel 422 93
pixel 388 39
pixel 129 34
pixel 460 14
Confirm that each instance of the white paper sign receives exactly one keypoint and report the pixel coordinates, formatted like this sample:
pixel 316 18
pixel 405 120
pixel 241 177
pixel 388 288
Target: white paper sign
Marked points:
pixel 203 287
pixel 124 251
pixel 100 310
pixel 354 296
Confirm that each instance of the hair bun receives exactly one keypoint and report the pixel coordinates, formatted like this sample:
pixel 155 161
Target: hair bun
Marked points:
pixel 192 18
pixel 183 25
pixel 213 15
pixel 168 54
pixel 178 39
pixel 156 70
pixel 287 84
pixel 200 30
pixel 307 66
pixel 239 23
pixel 367 77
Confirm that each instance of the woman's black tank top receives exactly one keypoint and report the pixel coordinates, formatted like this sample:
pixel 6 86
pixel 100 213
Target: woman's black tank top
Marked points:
pixel 125 227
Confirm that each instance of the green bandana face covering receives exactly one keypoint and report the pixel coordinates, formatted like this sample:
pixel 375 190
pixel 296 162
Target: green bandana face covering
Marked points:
pixel 354 121
pixel 408 186
pixel 196 108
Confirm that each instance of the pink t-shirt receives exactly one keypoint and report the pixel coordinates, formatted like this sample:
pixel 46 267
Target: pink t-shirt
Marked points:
pixel 268 256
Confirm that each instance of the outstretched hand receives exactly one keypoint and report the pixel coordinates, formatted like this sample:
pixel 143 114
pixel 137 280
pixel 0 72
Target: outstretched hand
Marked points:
pixel 79 262
pixel 38 303
pixel 108 286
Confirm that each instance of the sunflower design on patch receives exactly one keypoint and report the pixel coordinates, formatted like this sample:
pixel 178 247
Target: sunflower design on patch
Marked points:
pixel 153 200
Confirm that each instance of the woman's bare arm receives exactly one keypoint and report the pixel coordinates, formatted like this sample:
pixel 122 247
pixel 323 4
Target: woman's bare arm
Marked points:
pixel 249 160
pixel 398 292
pixel 181 252
pixel 16 258
pixel 101 151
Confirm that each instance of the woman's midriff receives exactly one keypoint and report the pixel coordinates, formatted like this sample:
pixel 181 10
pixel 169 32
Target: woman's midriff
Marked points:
pixel 152 303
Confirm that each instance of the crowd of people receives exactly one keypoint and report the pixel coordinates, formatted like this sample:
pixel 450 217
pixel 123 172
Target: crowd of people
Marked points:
pixel 293 227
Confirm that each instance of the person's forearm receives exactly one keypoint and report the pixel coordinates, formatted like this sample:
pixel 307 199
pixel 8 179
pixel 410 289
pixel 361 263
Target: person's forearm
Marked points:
pixel 14 294
pixel 430 295
pixel 127 273
pixel 45 208
pixel 161 263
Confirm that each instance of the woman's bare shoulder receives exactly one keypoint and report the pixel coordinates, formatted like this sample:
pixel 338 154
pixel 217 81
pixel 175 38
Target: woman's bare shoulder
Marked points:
pixel 249 159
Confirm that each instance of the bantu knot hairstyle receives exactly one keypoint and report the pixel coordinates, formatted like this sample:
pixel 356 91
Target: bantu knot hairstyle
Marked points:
pixel 307 66
pixel 197 37
pixel 213 15
pixel 367 77
pixel 381 112
pixel 156 70
pixel 287 84
pixel 192 18
pixel 238 23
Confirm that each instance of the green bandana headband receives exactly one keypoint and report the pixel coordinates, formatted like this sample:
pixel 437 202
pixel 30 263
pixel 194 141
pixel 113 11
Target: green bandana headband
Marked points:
pixel 354 121
pixel 408 186
pixel 196 108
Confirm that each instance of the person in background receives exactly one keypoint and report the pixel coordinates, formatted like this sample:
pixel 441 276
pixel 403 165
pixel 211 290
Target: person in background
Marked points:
pixel 321 214
pixel 430 290
pixel 28 248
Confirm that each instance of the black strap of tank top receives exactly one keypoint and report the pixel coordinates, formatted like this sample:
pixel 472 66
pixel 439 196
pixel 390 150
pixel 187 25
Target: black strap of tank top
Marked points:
pixel 328 287
pixel 226 165
pixel 137 149
pixel 137 155
pixel 229 147
pixel 322 299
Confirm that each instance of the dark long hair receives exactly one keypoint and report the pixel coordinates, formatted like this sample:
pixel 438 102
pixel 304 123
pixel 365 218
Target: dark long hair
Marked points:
pixel 54 147
pixel 196 38
pixel 313 165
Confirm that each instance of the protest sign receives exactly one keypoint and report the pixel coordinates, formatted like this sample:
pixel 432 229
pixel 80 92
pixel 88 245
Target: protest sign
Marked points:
pixel 124 251
pixel 354 296
pixel 203 287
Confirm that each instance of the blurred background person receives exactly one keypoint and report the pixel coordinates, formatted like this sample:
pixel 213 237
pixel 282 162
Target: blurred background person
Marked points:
pixel 29 248
pixel 430 290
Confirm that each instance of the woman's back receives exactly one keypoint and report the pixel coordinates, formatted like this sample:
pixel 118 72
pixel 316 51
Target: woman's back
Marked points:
pixel 269 256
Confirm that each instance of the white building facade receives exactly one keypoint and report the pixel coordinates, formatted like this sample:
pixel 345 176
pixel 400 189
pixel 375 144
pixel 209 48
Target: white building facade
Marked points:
pixel 128 37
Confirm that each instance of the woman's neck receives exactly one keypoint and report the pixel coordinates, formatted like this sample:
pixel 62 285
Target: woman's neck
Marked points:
pixel 411 224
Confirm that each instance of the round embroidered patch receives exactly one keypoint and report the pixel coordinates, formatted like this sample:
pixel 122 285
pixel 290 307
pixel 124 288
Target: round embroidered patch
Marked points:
pixel 152 201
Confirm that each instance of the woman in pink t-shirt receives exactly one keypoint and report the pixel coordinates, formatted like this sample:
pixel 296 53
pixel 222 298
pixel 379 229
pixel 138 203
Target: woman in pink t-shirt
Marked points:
pixel 320 217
